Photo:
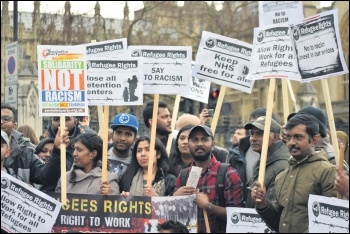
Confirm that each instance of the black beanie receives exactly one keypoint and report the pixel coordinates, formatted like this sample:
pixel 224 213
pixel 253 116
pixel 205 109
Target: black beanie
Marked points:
pixel 319 114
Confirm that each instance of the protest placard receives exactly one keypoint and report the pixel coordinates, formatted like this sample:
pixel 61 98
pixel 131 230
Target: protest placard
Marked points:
pixel 166 69
pixel 223 60
pixel 62 86
pixel 273 54
pixel 318 47
pixel 277 12
pixel 245 220
pixel 328 215
pixel 199 89
pixel 24 209
pixel 111 49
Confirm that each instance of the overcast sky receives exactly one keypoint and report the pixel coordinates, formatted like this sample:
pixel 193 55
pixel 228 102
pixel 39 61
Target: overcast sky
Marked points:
pixel 110 9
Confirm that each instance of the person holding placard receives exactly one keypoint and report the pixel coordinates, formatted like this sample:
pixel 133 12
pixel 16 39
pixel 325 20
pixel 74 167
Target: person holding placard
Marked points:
pixel 23 163
pixel 201 144
pixel 133 181
pixel 277 156
pixel 309 172
pixel 85 177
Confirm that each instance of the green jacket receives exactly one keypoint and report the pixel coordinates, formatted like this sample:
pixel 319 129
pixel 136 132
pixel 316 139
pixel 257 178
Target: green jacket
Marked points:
pixel 289 211
pixel 276 162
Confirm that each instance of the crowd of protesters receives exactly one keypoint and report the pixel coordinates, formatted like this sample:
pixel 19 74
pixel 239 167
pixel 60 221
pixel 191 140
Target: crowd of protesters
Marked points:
pixel 300 161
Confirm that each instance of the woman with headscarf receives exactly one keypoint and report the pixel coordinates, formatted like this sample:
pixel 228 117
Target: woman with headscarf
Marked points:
pixel 134 179
pixel 85 176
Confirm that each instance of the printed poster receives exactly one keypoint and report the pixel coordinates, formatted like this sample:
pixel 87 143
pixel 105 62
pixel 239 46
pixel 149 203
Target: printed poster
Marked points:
pixel 199 89
pixel 110 49
pixel 245 220
pixel 328 215
pixel 24 209
pixel 280 12
pixel 167 69
pixel 115 82
pixel 62 84
pixel 318 47
pixel 273 54
pixel 224 61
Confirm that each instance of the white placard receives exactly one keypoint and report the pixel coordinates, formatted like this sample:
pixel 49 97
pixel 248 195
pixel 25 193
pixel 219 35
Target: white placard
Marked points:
pixel 318 47
pixel 223 60
pixel 273 54
pixel 24 209
pixel 167 69
pixel 199 89
pixel 328 215
pixel 115 82
pixel 193 176
pixel 276 12
pixel 245 220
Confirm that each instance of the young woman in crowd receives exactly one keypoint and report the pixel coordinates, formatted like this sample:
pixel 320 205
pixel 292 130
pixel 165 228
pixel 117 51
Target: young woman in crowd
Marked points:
pixel 44 149
pixel 134 179
pixel 28 132
pixel 86 173
pixel 180 156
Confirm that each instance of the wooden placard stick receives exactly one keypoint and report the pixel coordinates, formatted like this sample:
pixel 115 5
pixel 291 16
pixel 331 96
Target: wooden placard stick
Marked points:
pixel 285 99
pixel 266 131
pixel 215 120
pixel 153 139
pixel 63 163
pixel 105 143
pixel 334 138
pixel 173 122
pixel 206 220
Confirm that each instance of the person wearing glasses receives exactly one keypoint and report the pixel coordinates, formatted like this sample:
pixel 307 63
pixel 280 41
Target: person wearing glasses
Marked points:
pixel 23 163
pixel 308 172
pixel 277 156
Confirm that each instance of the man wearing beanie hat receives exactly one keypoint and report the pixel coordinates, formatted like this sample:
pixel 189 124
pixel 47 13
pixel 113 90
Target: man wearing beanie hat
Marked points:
pixel 323 141
pixel 125 127
pixel 5 149
pixel 277 156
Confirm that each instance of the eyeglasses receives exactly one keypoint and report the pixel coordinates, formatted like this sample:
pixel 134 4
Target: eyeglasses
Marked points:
pixel 6 118
pixel 57 118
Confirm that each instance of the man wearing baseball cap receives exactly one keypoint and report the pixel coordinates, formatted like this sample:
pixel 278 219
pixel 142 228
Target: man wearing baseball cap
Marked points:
pixel 5 148
pixel 277 156
pixel 201 143
pixel 125 127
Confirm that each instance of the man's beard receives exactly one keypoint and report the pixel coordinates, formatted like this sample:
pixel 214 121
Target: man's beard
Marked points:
pixel 163 132
pixel 201 158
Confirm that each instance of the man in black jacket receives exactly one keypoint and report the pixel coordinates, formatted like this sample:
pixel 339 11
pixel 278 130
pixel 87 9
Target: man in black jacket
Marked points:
pixel 23 163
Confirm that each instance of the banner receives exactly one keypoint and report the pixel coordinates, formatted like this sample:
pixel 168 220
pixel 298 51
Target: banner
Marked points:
pixel 24 209
pixel 114 213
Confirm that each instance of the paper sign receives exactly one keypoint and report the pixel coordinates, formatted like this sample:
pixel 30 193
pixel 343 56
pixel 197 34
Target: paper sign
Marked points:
pixel 193 177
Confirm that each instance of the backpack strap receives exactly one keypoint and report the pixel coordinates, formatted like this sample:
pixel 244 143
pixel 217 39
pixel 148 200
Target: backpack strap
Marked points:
pixel 220 183
pixel 183 176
